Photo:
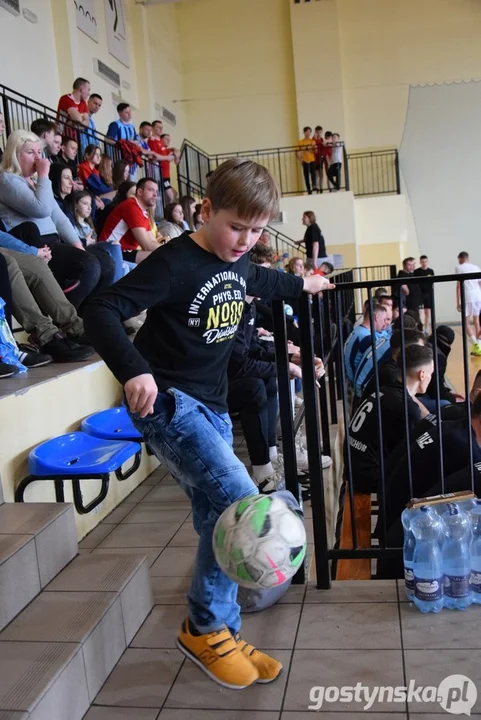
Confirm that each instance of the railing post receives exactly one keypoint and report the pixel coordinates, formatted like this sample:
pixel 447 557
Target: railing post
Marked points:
pixel 346 169
pixel 313 445
pixel 187 170
pixel 398 174
pixel 6 115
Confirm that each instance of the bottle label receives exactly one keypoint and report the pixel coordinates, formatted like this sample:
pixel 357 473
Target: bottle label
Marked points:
pixel 409 580
pixel 428 589
pixel 456 586
pixel 475 582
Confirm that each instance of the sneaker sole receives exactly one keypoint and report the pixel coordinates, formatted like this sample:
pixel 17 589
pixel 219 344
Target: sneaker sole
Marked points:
pixel 213 677
pixel 40 364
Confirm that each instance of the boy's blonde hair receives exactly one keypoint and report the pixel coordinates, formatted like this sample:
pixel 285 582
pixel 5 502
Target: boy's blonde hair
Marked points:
pixel 15 144
pixel 245 187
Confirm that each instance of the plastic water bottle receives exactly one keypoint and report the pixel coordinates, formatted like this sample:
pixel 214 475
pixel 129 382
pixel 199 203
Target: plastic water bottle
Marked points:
pixel 408 553
pixel 427 561
pixel 475 577
pixel 456 558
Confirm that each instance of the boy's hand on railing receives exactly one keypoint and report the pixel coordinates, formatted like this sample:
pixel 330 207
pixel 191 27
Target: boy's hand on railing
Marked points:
pixel 316 284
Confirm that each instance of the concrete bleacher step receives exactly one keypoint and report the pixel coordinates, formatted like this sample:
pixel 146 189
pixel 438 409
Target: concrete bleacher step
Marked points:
pixel 37 540
pixel 56 655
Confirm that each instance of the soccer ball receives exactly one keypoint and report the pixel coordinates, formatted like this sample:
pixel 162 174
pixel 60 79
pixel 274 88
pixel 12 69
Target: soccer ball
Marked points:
pixel 260 542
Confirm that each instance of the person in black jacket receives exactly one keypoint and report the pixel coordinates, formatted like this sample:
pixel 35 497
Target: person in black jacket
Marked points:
pixel 253 394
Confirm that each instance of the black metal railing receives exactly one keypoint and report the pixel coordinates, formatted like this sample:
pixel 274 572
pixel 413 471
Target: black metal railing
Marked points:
pixel 284 247
pixel 20 111
pixel 374 172
pixel 322 320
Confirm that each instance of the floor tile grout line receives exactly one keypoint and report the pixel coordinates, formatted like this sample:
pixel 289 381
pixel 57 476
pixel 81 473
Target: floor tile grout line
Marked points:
pixel 291 660
pixel 403 660
pixel 184 660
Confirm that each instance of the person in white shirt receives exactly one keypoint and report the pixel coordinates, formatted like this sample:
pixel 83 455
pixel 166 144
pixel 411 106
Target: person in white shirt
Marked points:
pixel 334 172
pixel 472 292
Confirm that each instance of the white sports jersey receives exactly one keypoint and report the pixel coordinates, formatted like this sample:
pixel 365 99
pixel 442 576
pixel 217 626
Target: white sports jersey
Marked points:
pixel 472 287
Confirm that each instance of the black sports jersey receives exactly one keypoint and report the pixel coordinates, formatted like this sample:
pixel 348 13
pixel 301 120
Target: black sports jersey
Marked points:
pixel 364 433
pixel 425 286
pixel 425 461
pixel 415 298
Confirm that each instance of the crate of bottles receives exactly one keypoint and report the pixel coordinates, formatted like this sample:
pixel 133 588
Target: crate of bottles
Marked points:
pixel 442 551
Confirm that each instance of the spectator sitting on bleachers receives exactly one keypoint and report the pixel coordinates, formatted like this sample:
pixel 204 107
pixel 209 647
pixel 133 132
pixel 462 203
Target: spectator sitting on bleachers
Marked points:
pixel 187 204
pixel 39 304
pixel 52 140
pixel 325 268
pixel 29 212
pixel 295 266
pixel 364 442
pixel 120 173
pixel 89 174
pixel 388 367
pixel 126 190
pixel 122 128
pixel 171 225
pixel 265 238
pixel 72 109
pixel 78 208
pixel 424 454
pixel 62 187
pixel 198 222
pixel 360 339
pixel 129 224
pixel 68 154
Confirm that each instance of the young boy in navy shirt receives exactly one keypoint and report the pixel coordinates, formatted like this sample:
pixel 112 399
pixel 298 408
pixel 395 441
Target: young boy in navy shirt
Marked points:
pixel 175 384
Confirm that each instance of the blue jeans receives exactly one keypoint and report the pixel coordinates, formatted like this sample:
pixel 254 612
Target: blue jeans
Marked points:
pixel 195 444
pixel 115 252
pixel 430 403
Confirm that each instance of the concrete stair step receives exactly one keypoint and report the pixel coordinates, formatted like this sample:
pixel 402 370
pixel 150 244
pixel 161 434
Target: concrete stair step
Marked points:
pixel 37 540
pixel 83 620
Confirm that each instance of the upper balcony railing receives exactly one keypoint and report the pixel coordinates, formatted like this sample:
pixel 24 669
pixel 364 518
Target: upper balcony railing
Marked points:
pixel 364 173
pixel 19 111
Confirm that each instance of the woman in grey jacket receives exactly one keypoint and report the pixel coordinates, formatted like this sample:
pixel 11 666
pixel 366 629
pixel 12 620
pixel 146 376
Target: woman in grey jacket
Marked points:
pixel 29 212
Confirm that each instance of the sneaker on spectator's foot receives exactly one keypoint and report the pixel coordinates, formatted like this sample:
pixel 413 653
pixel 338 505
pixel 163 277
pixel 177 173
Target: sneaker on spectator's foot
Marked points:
pixel 271 483
pixel 80 339
pixel 7 371
pixel 32 358
pixel 268 667
pixel 219 656
pixel 298 401
pixel 64 349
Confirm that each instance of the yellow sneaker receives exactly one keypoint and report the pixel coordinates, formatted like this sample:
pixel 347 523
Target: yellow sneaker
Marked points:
pixel 219 656
pixel 476 351
pixel 268 668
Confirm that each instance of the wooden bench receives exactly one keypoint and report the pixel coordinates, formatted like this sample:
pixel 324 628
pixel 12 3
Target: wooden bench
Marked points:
pixel 355 569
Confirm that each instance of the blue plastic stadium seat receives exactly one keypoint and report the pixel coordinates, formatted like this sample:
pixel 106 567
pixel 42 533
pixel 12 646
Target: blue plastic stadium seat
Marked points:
pixel 79 454
pixel 76 457
pixel 112 424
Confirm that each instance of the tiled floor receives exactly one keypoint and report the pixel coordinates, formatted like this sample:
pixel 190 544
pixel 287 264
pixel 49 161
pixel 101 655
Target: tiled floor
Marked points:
pixel 354 633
